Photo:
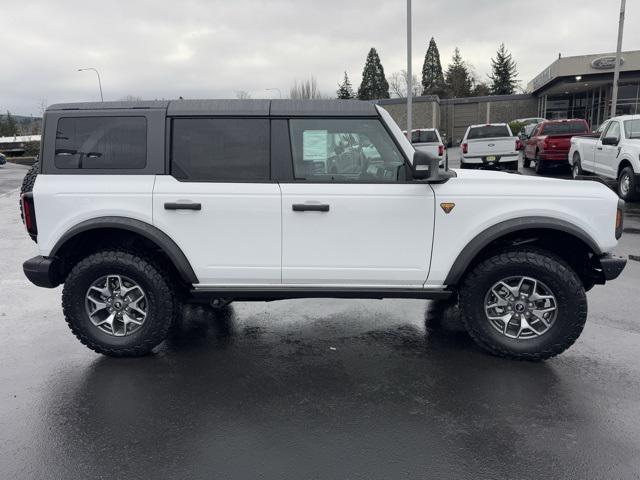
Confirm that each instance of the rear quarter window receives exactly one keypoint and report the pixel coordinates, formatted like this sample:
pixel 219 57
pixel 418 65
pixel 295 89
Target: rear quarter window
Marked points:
pixel 101 143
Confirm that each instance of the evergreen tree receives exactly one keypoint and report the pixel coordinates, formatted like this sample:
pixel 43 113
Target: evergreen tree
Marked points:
pixel 505 73
pixel 480 89
pixel 374 84
pixel 345 90
pixel 432 76
pixel 458 79
pixel 8 126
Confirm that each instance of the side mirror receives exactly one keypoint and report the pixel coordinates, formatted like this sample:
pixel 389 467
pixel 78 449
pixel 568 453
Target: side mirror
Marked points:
pixel 425 166
pixel 610 141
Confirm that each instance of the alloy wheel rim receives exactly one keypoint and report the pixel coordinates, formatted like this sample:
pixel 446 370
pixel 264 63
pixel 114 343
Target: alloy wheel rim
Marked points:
pixel 521 307
pixel 116 305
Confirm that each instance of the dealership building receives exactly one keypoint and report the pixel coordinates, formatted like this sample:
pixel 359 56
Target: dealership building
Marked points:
pixel 571 87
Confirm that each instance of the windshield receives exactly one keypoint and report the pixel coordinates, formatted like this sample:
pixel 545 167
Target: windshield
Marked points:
pixel 423 136
pixel 632 128
pixel 564 128
pixel 489 131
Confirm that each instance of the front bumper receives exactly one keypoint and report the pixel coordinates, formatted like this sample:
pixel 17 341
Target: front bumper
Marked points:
pixel 42 271
pixel 612 266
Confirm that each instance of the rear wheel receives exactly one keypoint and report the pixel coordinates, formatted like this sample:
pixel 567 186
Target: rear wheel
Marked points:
pixel 525 304
pixel 119 303
pixel 576 169
pixel 627 186
pixel 540 165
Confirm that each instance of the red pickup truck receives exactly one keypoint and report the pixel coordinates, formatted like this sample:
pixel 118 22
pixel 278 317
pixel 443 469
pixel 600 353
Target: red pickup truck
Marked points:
pixel 550 141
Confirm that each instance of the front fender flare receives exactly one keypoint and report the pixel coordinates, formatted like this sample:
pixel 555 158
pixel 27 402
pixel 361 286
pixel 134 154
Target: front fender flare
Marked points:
pixel 475 246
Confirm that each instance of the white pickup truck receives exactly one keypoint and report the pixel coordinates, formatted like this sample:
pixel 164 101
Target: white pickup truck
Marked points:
pixel 492 145
pixel 613 151
pixel 429 140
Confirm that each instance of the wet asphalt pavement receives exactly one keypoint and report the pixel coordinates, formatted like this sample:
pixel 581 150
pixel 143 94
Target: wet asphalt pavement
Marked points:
pixel 313 389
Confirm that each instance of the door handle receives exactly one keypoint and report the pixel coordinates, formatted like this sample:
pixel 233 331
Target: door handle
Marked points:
pixel 599 148
pixel 310 207
pixel 182 206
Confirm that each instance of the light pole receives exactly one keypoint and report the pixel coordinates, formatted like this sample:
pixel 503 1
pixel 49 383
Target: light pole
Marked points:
pixel 409 73
pixel 99 82
pixel 275 88
pixel 616 68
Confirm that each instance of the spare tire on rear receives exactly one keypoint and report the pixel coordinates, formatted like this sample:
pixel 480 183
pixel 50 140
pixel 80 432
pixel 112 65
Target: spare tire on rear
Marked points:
pixel 27 184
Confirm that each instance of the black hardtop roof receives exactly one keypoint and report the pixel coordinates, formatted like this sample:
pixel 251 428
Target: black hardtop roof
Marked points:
pixel 232 107
pixel 123 105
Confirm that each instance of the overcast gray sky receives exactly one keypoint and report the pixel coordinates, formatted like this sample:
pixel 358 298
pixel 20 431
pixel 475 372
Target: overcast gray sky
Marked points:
pixel 211 49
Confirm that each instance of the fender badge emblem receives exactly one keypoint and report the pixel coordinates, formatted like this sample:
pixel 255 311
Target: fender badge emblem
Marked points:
pixel 447 207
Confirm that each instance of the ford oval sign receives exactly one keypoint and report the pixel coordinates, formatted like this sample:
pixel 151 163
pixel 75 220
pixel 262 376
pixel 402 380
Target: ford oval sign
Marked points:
pixel 605 63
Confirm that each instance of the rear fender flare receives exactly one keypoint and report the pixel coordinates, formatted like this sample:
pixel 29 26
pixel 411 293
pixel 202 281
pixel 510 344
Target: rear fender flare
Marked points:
pixel 151 233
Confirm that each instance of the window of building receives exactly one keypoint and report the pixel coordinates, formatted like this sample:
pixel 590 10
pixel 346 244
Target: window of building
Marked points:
pixel 358 150
pixel 220 150
pixel 101 143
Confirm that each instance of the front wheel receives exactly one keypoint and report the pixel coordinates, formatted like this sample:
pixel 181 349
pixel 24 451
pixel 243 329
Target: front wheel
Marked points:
pixel 119 303
pixel 525 304
pixel 627 185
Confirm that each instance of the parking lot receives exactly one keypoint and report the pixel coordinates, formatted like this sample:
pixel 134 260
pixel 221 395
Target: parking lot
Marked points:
pixel 313 389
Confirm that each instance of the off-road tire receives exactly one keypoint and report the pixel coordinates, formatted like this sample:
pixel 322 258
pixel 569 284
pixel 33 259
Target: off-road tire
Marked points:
pixel 544 266
pixel 162 303
pixel 27 184
pixel 632 194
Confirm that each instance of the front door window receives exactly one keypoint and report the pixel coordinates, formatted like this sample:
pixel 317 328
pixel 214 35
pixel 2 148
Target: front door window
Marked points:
pixel 344 150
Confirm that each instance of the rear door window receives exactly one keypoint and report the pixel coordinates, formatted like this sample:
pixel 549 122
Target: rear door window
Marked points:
pixel 488 131
pixel 101 143
pixel 220 149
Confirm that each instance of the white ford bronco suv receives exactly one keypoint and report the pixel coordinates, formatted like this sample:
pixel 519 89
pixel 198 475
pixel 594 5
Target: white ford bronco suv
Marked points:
pixel 138 207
